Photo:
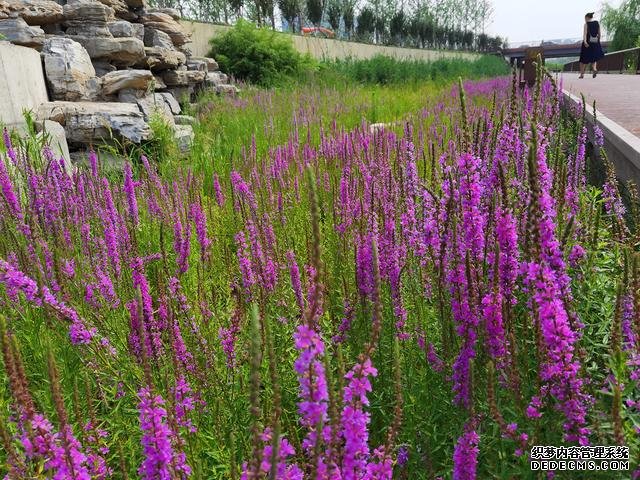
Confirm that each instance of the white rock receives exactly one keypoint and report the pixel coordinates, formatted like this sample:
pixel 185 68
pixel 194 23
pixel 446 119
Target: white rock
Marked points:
pixel 69 71
pixel 126 79
pixel 165 103
pixel 88 122
pixel 87 11
pixel 123 52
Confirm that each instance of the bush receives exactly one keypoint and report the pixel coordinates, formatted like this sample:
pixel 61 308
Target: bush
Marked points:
pixel 258 55
pixel 384 70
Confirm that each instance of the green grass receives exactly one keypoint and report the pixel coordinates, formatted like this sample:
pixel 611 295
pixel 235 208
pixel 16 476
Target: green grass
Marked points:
pixel 334 96
pixel 386 70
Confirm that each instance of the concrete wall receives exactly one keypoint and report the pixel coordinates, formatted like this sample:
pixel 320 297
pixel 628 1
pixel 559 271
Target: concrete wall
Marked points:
pixel 21 82
pixel 320 48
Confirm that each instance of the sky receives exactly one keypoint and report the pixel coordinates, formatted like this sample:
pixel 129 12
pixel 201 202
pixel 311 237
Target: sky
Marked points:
pixel 521 21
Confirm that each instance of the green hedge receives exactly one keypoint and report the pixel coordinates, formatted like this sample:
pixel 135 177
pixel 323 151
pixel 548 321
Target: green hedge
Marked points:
pixel 258 55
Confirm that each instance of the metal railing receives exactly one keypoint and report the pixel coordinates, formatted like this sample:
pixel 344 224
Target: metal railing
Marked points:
pixel 622 61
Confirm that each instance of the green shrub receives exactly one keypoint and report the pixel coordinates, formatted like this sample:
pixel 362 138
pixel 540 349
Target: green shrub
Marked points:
pixel 386 70
pixel 258 55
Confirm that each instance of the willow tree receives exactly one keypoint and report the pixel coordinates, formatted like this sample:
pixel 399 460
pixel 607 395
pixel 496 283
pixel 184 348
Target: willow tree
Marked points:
pixel 624 23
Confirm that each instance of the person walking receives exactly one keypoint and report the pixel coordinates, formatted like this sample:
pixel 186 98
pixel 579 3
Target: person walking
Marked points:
pixel 591 50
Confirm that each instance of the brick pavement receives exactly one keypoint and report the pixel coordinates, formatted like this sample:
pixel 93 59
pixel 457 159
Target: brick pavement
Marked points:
pixel 617 96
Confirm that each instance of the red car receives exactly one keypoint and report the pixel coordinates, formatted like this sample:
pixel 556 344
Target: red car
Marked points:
pixel 318 32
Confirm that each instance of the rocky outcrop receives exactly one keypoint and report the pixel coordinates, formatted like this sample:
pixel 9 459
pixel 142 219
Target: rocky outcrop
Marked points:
pixel 110 66
pixel 69 71
pixel 18 32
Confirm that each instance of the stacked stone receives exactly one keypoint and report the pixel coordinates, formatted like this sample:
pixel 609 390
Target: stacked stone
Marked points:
pixel 110 65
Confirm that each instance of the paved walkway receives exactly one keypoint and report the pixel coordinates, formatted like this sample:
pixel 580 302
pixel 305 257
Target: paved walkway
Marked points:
pixel 616 96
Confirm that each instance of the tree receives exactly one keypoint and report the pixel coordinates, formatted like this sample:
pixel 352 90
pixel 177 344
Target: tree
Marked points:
pixel 265 10
pixel 348 16
pixel 334 14
pixel 624 23
pixel 289 10
pixel 398 28
pixel 314 11
pixel 366 24
pixel 236 7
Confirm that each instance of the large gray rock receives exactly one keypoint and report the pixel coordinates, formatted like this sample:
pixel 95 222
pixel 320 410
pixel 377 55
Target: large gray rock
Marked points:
pixel 88 18
pixel 122 52
pixel 159 59
pixel 179 78
pixel 69 71
pixel 87 11
pixel 155 104
pixel 18 32
pixel 123 29
pixel 126 79
pixel 88 122
pixel 165 23
pixel 157 38
pixel 34 12
pixel 165 103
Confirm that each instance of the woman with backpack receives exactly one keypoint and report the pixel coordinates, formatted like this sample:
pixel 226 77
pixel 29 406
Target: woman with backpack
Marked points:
pixel 591 50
